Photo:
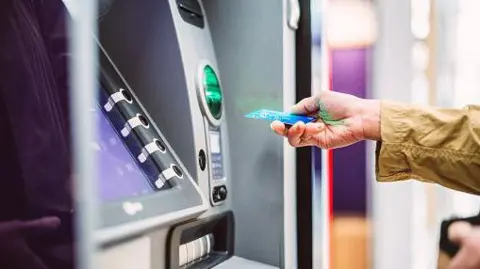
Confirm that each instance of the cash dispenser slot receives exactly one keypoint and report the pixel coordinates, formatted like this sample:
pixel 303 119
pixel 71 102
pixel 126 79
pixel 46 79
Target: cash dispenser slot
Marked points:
pixel 203 243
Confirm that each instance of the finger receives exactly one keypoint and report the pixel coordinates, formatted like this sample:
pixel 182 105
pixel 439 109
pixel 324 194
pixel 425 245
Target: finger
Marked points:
pixel 40 225
pixel 469 236
pixel 324 139
pixel 306 106
pixel 312 129
pixel 460 260
pixel 295 133
pixel 458 231
pixel 279 128
pixel 466 258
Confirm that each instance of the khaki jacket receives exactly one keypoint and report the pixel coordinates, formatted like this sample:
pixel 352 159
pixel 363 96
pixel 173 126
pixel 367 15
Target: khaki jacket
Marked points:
pixel 430 145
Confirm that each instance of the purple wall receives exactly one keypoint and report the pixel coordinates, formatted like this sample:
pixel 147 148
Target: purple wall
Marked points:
pixel 349 75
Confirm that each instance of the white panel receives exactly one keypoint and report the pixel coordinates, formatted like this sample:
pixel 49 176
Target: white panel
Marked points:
pixel 466 82
pixel 289 157
pixel 134 254
pixel 83 82
pixel 392 76
pixel 325 204
pixel 325 235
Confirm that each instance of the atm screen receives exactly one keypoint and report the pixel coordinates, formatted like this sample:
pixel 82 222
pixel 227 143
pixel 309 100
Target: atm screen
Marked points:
pixel 119 176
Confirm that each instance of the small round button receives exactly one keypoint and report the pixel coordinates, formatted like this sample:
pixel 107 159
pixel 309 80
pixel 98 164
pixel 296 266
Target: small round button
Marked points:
pixel 222 192
pixel 143 120
pixel 160 145
pixel 177 170
pixel 202 159
pixel 216 196
pixel 126 94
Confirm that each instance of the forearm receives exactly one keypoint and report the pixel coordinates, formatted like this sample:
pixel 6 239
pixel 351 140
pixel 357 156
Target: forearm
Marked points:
pixel 429 144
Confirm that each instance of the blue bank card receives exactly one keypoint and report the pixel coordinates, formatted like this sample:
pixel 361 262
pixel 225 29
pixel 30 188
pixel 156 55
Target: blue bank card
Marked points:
pixel 284 117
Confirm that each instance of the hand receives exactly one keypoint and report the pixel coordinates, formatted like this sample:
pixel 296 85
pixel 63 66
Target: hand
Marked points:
pixel 468 237
pixel 343 120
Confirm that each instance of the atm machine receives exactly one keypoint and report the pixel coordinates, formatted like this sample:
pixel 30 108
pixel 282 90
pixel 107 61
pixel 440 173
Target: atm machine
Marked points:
pixel 212 189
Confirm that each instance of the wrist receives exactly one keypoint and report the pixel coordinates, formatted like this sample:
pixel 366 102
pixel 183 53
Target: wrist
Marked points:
pixel 370 114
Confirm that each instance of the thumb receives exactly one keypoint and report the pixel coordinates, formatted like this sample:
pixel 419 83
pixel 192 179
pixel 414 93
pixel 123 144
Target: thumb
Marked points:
pixel 458 231
pixel 306 106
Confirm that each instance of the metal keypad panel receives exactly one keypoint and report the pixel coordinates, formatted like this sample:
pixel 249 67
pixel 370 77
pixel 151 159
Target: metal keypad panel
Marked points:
pixel 171 184
pixel 127 115
pixel 134 130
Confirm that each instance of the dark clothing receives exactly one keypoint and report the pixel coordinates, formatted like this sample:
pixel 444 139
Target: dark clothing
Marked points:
pixel 35 178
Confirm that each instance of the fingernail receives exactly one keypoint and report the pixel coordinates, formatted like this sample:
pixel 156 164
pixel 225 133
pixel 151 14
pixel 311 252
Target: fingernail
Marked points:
pixel 293 108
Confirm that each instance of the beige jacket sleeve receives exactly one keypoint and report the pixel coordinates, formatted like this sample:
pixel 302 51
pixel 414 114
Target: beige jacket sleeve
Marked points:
pixel 431 145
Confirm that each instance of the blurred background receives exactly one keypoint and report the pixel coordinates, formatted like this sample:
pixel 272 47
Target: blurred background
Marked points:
pixel 294 208
pixel 418 51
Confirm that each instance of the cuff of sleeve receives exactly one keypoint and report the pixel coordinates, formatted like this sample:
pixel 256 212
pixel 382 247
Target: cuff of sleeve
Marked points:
pixel 391 164
pixel 395 122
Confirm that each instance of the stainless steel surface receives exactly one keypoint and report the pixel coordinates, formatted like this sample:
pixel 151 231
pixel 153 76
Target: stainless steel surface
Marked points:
pixel 255 53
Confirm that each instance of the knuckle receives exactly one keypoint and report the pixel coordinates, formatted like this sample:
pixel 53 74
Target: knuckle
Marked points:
pixel 321 94
pixel 321 144
pixel 318 142
pixel 291 142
